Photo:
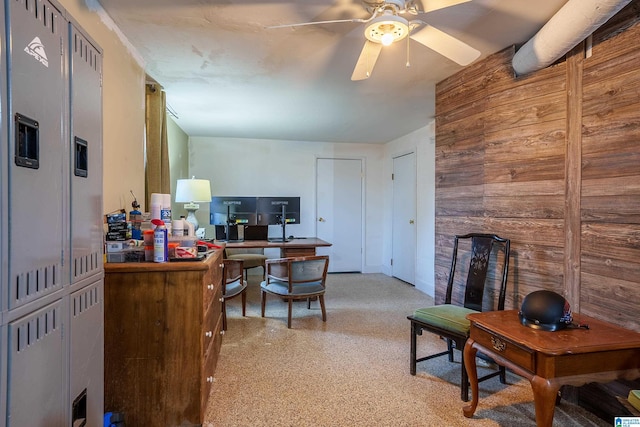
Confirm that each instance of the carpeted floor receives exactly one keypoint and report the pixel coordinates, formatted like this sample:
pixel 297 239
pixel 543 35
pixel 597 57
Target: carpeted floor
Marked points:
pixel 352 370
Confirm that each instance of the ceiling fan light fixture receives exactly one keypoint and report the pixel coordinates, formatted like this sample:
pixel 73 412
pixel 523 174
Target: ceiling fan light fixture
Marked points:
pixel 387 29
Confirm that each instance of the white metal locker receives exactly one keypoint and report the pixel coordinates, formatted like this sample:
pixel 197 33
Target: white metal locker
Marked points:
pixel 36 369
pixel 86 155
pixel 38 233
pixel 86 359
pixel 4 202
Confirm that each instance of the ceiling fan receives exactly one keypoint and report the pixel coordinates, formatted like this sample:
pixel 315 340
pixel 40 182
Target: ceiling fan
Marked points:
pixel 386 25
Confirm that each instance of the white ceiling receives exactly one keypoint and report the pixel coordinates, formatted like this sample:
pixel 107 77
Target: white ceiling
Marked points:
pixel 227 75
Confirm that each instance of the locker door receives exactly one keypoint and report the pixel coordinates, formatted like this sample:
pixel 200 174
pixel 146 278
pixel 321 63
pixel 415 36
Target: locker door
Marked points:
pixel 38 151
pixel 86 156
pixel 36 369
pixel 4 177
pixel 86 360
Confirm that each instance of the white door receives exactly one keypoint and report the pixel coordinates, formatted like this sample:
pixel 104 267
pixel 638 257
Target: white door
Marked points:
pixel 403 229
pixel 339 212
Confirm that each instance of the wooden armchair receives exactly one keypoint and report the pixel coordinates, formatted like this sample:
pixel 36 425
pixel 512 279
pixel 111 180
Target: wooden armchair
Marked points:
pixel 232 286
pixel 295 279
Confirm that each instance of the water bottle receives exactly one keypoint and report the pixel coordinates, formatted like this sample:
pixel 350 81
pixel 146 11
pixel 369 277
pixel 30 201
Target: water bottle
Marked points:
pixel 160 241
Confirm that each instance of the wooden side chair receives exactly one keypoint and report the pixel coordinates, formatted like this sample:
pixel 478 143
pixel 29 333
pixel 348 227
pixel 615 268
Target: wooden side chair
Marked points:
pixel 462 297
pixel 294 279
pixel 232 286
pixel 252 258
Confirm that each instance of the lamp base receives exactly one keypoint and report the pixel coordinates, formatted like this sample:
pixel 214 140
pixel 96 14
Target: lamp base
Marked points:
pixel 191 217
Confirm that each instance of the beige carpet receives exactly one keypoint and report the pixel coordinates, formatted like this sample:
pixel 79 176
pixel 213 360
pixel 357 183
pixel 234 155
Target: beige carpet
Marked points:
pixel 352 370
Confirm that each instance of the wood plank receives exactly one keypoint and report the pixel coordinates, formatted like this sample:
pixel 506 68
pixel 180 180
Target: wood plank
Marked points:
pixel 534 110
pixel 546 207
pixel 573 176
pixel 612 300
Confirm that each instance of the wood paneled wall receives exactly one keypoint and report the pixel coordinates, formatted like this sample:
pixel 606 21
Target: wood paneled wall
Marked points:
pixel 551 161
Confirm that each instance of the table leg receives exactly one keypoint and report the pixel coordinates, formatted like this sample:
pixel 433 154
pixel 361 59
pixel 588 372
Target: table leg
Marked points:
pixel 469 355
pixel 544 396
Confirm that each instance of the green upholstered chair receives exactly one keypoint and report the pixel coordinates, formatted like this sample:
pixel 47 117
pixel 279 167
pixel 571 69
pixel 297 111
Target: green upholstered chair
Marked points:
pixel 251 257
pixel 487 262
pixel 294 279
pixel 232 286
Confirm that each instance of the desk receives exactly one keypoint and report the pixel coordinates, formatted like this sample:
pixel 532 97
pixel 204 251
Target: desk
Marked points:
pixel 291 248
pixel 602 353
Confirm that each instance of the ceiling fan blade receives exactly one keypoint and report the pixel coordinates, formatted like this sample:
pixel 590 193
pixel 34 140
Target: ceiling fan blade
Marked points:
pixel 446 45
pixel 366 61
pixel 332 21
pixel 431 5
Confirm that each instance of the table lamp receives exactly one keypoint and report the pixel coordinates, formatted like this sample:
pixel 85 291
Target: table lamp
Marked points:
pixel 191 192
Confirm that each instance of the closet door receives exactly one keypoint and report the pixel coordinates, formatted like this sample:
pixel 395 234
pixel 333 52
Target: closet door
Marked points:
pixel 339 212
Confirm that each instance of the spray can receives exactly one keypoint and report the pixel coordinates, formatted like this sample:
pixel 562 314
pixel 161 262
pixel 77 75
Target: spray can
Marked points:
pixel 135 216
pixel 160 241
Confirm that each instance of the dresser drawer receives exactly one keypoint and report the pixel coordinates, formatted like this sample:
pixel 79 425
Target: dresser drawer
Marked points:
pixel 510 350
pixel 209 361
pixel 211 281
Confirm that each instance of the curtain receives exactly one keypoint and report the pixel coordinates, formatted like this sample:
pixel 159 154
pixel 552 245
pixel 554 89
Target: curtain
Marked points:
pixel 157 178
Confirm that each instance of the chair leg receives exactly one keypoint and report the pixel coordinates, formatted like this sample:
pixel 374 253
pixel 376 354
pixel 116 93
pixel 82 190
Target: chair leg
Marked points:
pixel 503 375
pixel 450 349
pixel 308 303
pixel 289 315
pixel 324 311
pixel 263 301
pixel 412 355
pixel 244 302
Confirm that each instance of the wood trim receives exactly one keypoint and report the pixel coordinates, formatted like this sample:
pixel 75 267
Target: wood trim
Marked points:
pixel 573 175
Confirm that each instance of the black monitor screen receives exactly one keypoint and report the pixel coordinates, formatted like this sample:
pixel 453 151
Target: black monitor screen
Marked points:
pixel 235 210
pixel 270 210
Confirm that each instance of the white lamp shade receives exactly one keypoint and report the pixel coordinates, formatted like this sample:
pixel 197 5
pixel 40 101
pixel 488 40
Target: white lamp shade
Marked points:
pixel 193 190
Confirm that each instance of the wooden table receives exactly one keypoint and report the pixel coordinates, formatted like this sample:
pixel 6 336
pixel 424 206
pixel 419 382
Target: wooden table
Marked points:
pixel 602 353
pixel 291 248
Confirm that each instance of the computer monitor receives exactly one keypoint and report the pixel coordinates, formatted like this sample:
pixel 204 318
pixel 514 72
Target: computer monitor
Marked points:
pixel 278 211
pixel 232 210
pixel 256 232
pixel 272 210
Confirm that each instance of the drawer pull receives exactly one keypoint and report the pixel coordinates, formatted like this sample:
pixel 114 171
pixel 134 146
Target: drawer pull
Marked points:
pixel 222 332
pixel 210 287
pixel 498 344
pixel 221 299
pixel 220 265
pixel 209 379
pixel 208 334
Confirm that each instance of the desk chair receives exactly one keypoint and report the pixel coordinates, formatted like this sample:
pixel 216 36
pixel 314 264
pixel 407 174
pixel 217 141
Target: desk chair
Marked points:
pixel 232 286
pixel 294 279
pixel 464 296
pixel 251 258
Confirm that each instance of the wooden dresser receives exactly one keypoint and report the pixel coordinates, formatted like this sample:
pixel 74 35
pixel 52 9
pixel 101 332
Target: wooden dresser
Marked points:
pixel 163 331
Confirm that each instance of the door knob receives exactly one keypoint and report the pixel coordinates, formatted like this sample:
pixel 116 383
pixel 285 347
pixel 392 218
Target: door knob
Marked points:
pixel 411 221
pixel 321 219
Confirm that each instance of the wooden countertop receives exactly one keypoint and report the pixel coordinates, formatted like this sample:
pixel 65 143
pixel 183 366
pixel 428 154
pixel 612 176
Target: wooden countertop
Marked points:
pixel 141 267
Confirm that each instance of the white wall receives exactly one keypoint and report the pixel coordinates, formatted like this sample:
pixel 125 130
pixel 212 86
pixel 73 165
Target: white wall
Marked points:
pixel 421 142
pixel 240 167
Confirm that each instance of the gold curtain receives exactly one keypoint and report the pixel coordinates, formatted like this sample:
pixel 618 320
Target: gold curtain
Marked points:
pixel 157 178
